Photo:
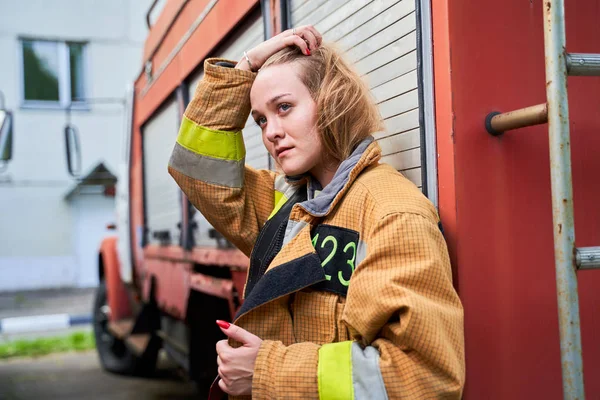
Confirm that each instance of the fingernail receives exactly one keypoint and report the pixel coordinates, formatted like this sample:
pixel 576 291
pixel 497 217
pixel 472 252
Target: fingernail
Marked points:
pixel 308 52
pixel 223 324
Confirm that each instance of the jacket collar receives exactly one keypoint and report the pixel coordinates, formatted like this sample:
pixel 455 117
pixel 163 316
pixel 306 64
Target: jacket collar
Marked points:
pixel 367 153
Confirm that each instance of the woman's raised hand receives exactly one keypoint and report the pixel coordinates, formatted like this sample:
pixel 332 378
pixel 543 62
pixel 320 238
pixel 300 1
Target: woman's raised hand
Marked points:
pixel 306 37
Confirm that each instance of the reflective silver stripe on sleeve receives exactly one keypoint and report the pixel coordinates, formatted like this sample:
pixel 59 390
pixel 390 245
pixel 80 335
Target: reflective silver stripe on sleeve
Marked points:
pixel 210 170
pixel 366 374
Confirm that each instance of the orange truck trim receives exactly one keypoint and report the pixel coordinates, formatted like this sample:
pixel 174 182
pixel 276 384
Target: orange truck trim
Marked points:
pixel 217 24
pixel 164 22
pixel 118 300
pixel 445 128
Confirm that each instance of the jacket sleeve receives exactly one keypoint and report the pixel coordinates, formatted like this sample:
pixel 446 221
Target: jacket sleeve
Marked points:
pixel 405 319
pixel 208 158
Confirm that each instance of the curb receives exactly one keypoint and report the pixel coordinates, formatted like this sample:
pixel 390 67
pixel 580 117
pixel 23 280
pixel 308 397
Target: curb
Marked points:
pixel 37 323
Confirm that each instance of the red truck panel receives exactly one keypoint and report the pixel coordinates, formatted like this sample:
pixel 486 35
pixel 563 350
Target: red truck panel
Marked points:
pixel 495 192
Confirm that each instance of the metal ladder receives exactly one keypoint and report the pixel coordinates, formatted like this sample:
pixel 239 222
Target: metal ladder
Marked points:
pixel 568 258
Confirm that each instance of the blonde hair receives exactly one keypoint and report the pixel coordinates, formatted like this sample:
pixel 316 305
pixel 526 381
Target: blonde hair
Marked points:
pixel 346 111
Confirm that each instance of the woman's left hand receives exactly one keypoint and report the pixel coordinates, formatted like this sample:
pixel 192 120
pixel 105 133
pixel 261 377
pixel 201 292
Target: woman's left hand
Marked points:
pixel 236 365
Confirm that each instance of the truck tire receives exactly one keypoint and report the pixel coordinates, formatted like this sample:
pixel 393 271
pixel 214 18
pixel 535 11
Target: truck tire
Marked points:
pixel 114 354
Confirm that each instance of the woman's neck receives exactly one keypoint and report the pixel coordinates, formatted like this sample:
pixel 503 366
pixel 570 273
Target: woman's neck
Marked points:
pixel 325 175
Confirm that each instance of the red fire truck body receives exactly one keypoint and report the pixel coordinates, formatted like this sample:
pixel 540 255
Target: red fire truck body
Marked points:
pixel 436 70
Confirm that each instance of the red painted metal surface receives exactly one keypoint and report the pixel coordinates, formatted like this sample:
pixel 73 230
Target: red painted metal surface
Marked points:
pixel 239 281
pixel 210 285
pixel 498 213
pixel 116 291
pixel 215 287
pixel 232 258
pixel 172 284
pixel 172 269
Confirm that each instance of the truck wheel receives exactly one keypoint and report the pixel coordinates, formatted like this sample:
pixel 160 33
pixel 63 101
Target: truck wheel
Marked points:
pixel 112 351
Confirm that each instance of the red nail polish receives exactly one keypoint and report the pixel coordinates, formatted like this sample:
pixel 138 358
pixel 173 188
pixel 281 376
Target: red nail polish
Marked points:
pixel 308 52
pixel 223 324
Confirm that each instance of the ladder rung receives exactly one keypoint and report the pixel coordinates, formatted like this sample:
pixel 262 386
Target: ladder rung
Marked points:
pixel 497 123
pixel 581 64
pixel 588 257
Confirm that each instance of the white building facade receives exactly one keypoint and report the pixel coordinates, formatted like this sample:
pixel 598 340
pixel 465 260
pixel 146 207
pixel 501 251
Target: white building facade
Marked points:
pixel 57 55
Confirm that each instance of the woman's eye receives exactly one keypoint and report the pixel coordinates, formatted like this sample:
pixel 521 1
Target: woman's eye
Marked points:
pixel 284 106
pixel 260 121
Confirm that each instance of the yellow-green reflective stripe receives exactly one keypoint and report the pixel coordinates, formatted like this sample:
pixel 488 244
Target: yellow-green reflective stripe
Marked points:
pixel 335 371
pixel 280 200
pixel 212 143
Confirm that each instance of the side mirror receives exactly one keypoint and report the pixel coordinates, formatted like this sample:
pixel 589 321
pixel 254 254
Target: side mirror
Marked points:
pixel 5 136
pixel 73 150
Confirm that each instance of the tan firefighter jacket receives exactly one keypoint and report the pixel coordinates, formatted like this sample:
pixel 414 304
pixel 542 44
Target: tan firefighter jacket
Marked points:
pixel 359 302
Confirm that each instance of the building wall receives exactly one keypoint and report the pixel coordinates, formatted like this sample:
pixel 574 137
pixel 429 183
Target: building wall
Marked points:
pixel 36 231
pixel 91 212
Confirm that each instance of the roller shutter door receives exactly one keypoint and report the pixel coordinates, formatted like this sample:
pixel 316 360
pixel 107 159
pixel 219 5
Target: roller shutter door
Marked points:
pixel 162 195
pixel 248 35
pixel 379 38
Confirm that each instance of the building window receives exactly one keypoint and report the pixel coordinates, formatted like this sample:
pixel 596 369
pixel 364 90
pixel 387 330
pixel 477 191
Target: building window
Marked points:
pixel 53 73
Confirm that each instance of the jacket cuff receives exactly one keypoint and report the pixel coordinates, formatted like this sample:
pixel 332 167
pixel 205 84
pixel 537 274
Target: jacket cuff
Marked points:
pixel 216 73
pixel 222 97
pixel 286 371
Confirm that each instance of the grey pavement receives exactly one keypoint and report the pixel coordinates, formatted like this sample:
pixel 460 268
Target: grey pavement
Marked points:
pixel 75 375
pixel 46 302
pixel 79 376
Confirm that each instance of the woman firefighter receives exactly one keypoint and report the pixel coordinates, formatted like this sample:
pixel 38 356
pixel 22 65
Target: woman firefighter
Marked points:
pixel 349 292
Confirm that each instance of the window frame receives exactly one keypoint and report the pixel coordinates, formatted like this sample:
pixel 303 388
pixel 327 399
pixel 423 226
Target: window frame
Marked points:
pixel 64 76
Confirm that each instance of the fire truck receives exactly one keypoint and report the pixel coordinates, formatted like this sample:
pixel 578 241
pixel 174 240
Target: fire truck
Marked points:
pixel 477 114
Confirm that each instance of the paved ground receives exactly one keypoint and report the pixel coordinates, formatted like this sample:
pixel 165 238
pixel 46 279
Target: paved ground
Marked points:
pixel 74 375
pixel 79 376
pixel 45 302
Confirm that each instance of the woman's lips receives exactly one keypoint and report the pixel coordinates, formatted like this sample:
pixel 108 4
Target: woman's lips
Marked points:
pixel 283 152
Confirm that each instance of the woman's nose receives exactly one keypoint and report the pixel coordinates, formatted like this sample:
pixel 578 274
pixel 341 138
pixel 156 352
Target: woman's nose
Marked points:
pixel 274 130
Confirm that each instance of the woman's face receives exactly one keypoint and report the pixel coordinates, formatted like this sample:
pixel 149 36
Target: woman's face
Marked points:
pixel 285 111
